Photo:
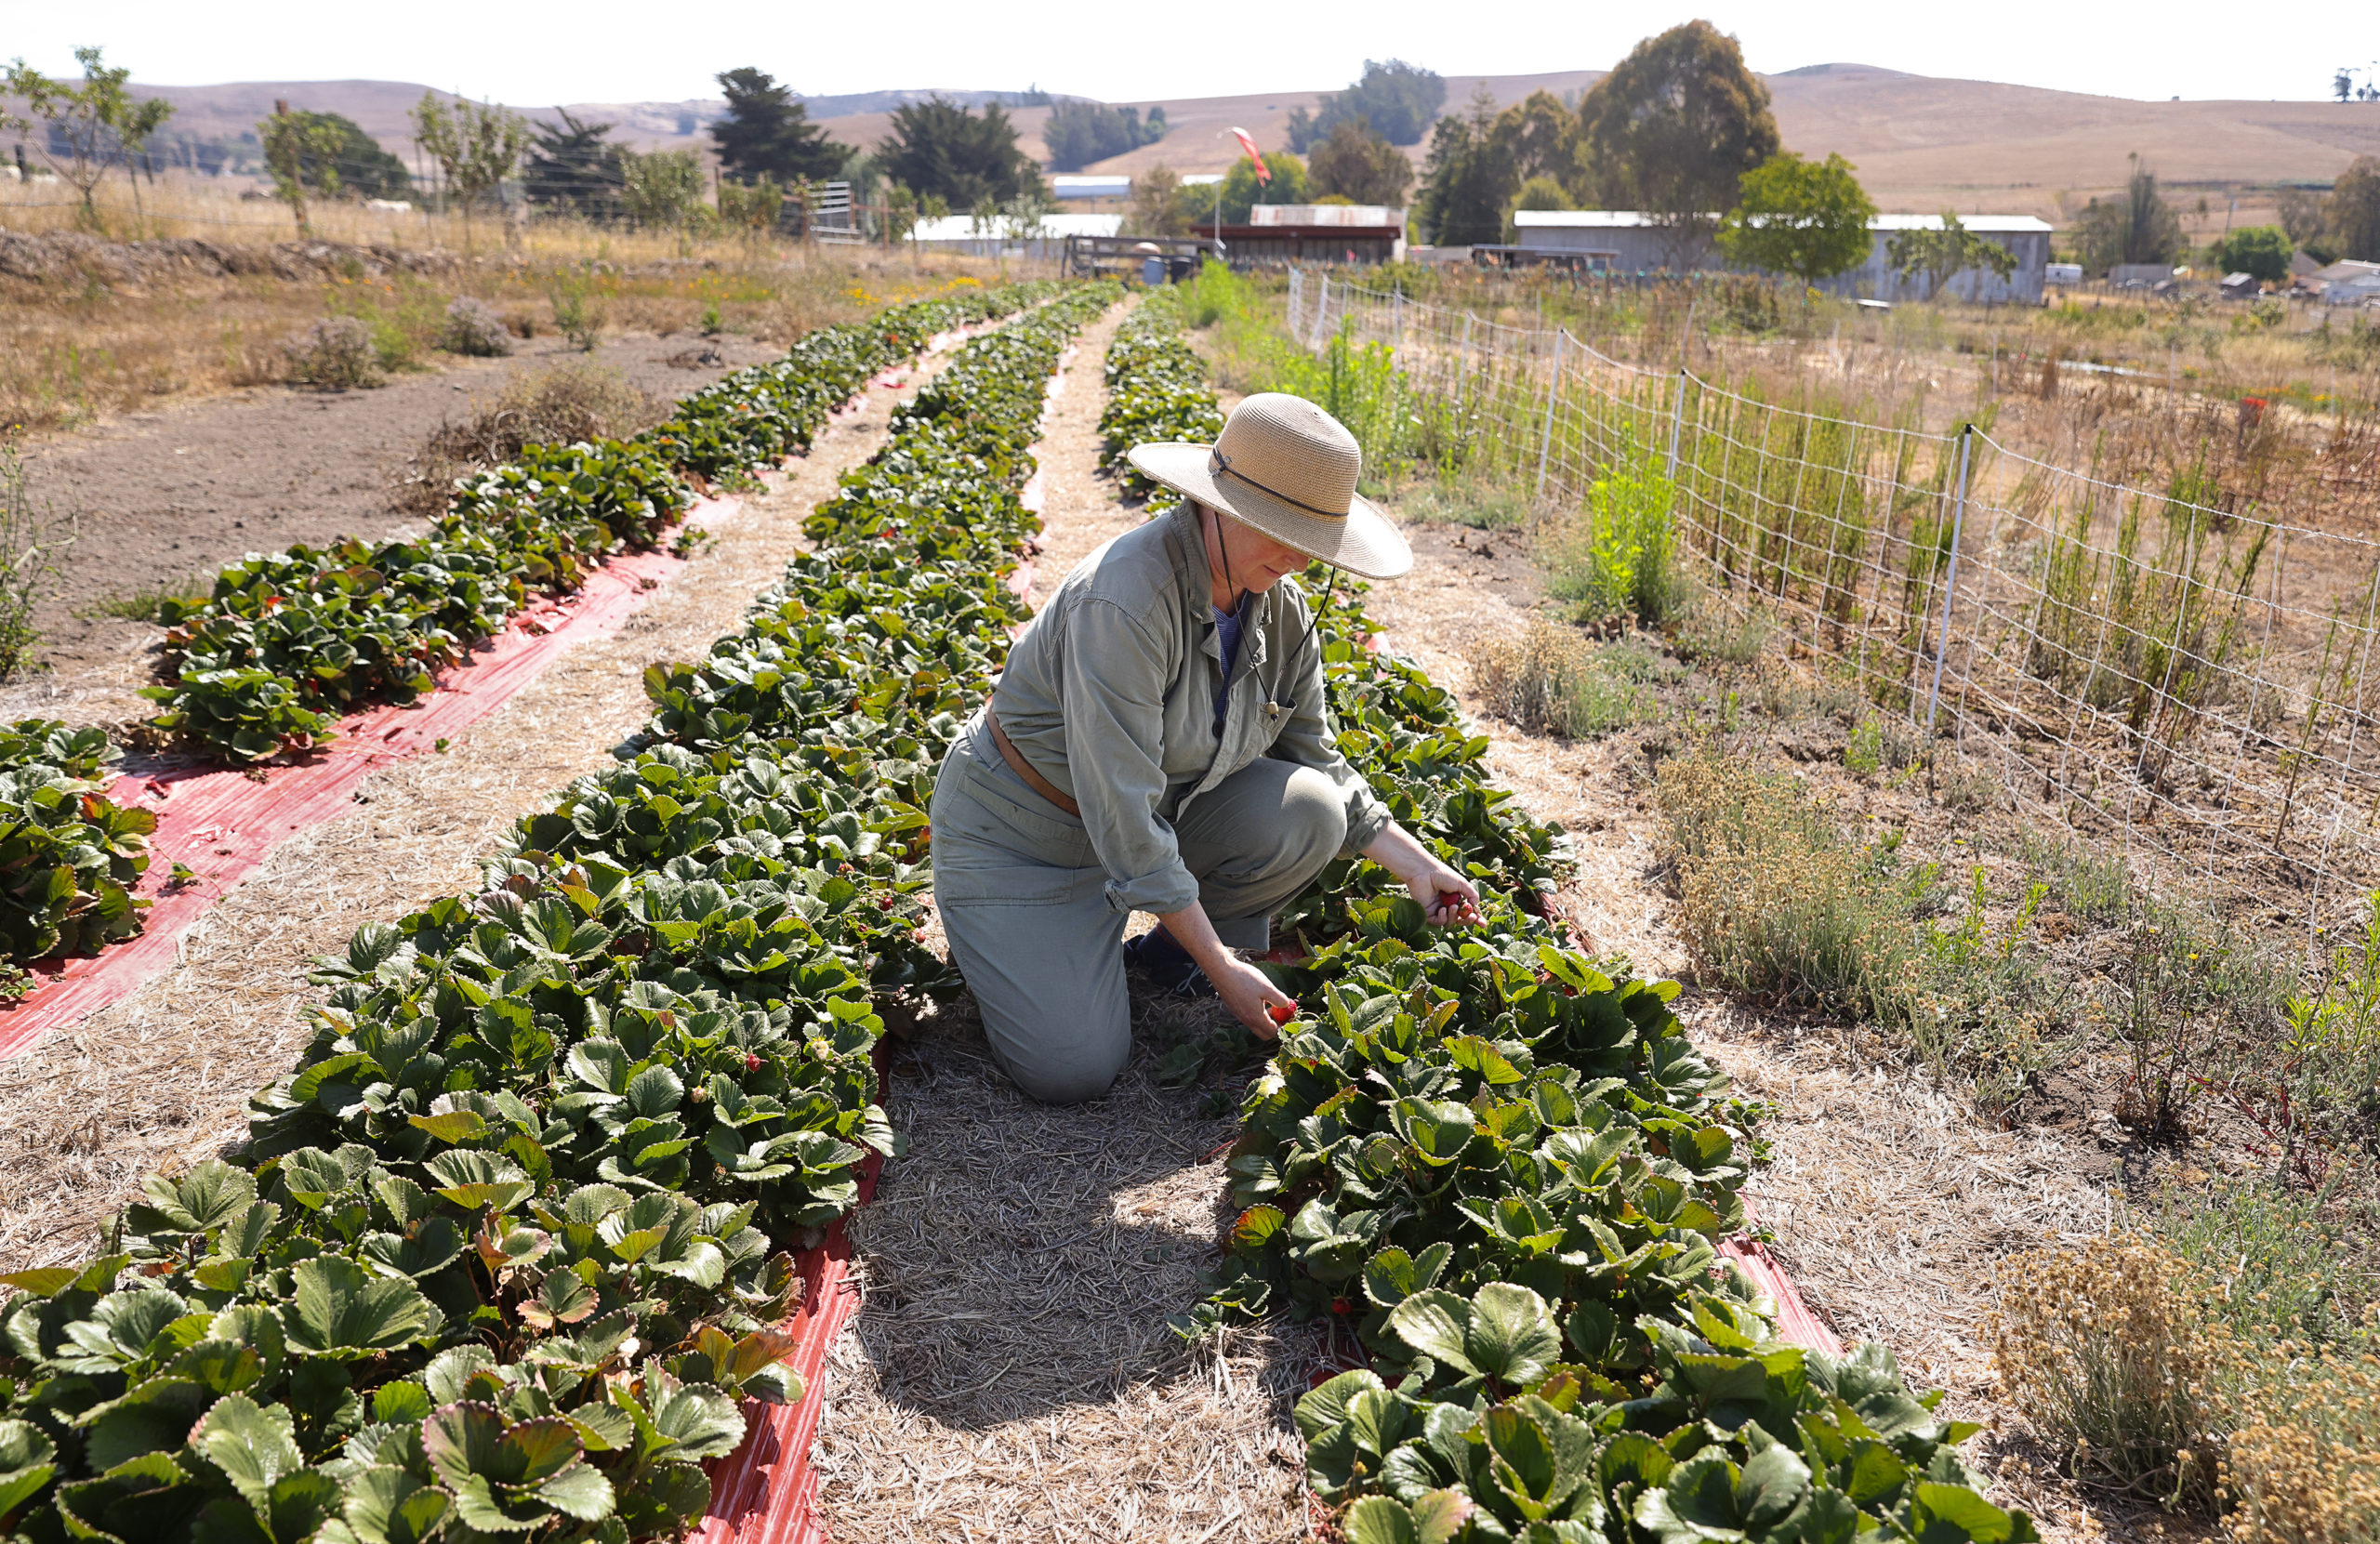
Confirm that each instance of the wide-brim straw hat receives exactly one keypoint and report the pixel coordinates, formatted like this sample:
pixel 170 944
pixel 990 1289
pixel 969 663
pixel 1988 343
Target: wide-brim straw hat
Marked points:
pixel 1283 467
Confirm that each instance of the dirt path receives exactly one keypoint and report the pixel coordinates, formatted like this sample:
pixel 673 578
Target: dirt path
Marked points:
pixel 1011 1375
pixel 160 1079
pixel 161 496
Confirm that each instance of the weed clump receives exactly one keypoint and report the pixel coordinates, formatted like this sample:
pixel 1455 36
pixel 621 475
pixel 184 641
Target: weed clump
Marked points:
pixel 559 405
pixel 475 328
pixel 1619 553
pixel 335 354
pixel 1555 681
pixel 2105 1350
pixel 2187 1383
pixel 33 540
pixel 1777 903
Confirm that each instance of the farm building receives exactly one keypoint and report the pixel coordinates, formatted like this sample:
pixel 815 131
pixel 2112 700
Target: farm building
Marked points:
pixel 1313 233
pixel 1003 236
pixel 2348 283
pixel 1623 241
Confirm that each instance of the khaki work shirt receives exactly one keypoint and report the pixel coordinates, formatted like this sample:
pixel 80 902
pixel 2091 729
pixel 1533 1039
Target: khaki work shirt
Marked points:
pixel 1110 694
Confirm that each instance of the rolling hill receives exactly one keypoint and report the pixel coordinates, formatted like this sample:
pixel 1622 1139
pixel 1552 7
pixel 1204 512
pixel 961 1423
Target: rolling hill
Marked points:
pixel 1920 142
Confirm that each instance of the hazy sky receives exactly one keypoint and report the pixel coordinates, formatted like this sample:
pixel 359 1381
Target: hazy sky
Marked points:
pixel 534 55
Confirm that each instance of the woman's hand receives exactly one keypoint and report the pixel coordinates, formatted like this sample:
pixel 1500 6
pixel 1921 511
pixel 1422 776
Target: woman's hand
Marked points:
pixel 1246 990
pixel 1446 897
pixel 1250 994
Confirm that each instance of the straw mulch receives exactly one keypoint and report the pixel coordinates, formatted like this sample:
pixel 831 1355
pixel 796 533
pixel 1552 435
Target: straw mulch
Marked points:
pixel 160 1081
pixel 1011 1374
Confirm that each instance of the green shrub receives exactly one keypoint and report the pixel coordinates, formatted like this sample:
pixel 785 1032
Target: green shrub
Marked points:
pixel 1618 554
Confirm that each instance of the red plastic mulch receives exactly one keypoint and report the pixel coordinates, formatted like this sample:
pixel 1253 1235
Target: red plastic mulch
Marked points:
pixel 766 1491
pixel 223 823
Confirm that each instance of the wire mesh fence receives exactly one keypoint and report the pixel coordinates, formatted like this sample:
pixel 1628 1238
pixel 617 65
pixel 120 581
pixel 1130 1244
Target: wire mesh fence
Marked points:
pixel 2180 675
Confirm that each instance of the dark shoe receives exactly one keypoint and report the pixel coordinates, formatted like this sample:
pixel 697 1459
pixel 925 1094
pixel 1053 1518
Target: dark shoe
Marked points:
pixel 1166 965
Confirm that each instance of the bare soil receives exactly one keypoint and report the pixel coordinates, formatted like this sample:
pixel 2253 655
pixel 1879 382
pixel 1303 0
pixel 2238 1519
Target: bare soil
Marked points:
pixel 167 498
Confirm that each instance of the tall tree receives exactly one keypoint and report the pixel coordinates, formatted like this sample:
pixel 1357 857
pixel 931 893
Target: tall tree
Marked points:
pixel 302 151
pixel 767 133
pixel 2260 251
pixel 1242 191
pixel 1399 101
pixel 1468 179
pixel 91 126
pixel 1357 165
pixel 573 165
pixel 940 148
pixel 1674 128
pixel 2138 227
pixel 363 169
pixel 475 144
pixel 1944 252
pixel 1809 219
pixel 2355 210
pixel 1160 206
pixel 1540 137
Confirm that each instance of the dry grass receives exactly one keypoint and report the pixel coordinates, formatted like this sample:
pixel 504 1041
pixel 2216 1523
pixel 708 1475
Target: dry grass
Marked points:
pixel 110 329
pixel 160 1079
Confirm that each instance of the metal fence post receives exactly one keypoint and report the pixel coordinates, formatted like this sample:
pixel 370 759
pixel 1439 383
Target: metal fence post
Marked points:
pixel 1552 393
pixel 1677 426
pixel 1321 312
pixel 1951 584
pixel 1297 303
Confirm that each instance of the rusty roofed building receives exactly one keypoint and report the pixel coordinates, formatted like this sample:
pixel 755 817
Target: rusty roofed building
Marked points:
pixel 1362 233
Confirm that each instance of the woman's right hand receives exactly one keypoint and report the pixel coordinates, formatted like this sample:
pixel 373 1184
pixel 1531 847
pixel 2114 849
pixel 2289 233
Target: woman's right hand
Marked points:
pixel 1249 993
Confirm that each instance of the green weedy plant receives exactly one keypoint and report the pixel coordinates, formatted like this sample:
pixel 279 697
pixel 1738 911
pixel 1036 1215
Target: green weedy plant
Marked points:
pixel 502 1255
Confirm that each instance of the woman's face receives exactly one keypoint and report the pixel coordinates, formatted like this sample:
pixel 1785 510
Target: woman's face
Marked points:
pixel 1256 562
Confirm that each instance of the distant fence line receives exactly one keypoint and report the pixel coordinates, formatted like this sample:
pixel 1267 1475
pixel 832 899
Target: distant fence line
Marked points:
pixel 2167 675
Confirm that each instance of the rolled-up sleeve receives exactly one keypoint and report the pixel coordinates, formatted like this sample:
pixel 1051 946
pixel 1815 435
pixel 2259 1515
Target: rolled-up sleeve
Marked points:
pixel 1306 738
pixel 1114 685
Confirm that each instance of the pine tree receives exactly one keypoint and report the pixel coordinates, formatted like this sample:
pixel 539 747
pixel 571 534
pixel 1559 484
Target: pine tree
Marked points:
pixel 767 133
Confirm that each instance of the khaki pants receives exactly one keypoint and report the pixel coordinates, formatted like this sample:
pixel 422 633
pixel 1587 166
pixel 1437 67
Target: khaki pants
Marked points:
pixel 1024 903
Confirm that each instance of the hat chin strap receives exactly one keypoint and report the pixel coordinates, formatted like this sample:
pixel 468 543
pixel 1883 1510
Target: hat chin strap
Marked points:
pixel 1313 618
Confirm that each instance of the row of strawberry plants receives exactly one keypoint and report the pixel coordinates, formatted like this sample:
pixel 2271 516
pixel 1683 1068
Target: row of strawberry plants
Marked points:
pixel 289 641
pixel 505 1250
pixel 1504 1165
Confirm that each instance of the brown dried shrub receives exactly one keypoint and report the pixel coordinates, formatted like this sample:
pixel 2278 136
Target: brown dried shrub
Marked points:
pixel 2305 1467
pixel 576 400
pixel 2106 1350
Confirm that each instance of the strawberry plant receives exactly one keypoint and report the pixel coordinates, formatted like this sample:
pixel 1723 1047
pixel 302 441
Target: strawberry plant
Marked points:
pixel 506 1250
pixel 69 855
pixel 1505 1167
